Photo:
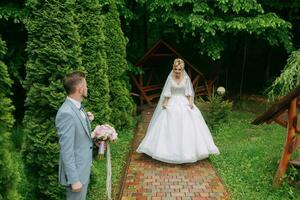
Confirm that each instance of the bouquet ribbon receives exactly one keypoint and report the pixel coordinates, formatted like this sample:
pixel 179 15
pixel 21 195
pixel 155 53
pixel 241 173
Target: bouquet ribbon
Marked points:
pixel 108 173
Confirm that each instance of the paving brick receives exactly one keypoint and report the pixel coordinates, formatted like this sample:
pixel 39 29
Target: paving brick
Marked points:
pixel 148 179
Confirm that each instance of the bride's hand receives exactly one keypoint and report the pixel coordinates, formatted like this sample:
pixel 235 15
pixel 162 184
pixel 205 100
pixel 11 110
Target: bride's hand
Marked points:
pixel 191 106
pixel 164 106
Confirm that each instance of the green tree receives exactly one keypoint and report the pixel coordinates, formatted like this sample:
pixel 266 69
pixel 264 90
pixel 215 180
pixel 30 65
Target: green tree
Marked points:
pixel 9 176
pixel 53 50
pixel 289 79
pixel 92 38
pixel 121 102
pixel 210 24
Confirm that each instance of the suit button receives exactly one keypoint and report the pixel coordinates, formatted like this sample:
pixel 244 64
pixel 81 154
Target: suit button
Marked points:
pixel 91 147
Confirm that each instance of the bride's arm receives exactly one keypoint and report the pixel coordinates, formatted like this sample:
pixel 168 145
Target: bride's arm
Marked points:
pixel 190 98
pixel 165 102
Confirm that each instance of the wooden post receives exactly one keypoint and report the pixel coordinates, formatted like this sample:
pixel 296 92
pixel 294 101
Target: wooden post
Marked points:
pixel 142 92
pixel 284 161
pixel 141 97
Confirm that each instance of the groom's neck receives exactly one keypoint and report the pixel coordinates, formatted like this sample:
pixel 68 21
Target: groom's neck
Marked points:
pixel 77 97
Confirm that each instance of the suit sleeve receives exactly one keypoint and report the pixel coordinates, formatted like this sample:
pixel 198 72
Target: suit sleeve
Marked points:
pixel 66 132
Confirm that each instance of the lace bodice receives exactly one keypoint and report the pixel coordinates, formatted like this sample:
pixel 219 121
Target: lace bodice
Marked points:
pixel 184 87
pixel 178 88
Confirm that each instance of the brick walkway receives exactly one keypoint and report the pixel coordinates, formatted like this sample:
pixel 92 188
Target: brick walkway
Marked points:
pixel 148 179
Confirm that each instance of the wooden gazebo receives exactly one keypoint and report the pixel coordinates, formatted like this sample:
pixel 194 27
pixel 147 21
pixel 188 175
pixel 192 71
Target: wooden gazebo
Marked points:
pixel 148 89
pixel 285 113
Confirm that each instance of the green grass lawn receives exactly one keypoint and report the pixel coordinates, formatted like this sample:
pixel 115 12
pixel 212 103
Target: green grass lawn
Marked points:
pixel 248 158
pixel 119 152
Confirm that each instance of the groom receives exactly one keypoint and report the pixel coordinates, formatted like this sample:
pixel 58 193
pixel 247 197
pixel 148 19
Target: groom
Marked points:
pixel 74 131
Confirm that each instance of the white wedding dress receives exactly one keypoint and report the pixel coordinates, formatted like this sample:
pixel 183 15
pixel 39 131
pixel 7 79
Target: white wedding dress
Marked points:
pixel 177 134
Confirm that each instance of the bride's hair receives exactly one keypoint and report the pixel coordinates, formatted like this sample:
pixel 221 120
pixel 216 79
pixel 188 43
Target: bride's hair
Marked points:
pixel 178 62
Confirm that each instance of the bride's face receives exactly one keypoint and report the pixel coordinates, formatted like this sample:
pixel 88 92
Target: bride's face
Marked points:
pixel 178 71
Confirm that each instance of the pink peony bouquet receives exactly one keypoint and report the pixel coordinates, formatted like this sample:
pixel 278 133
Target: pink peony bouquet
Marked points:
pixel 103 134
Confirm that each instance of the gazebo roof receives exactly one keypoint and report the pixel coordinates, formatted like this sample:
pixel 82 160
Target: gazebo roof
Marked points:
pixel 163 49
pixel 278 108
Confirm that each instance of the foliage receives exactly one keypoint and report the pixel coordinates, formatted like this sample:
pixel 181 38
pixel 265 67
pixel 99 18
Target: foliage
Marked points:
pixel 94 58
pixel 17 136
pixel 215 110
pixel 288 9
pixel 13 12
pixel 119 152
pixel 13 15
pixel 248 159
pixel 9 176
pixel 210 24
pixel 289 79
pixel 24 186
pixel 53 50
pixel 124 11
pixel 134 70
pixel 115 47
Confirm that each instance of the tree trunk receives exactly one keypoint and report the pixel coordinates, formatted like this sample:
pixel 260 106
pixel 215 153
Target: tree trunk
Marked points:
pixel 145 29
pixel 268 67
pixel 243 67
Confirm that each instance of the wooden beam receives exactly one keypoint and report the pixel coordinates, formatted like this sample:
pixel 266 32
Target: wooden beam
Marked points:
pixel 186 61
pixel 286 155
pixel 281 122
pixel 296 143
pixel 190 72
pixel 152 87
pixel 148 53
pixel 142 97
pixel 162 55
pixel 143 94
pixel 296 162
pixel 277 108
pixel 150 77
pixel 196 79
pixel 297 126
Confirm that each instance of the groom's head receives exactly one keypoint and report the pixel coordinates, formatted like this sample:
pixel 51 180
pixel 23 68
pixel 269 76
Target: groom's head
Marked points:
pixel 75 84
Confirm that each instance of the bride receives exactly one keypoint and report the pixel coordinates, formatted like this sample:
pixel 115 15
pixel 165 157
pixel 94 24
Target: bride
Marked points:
pixel 177 132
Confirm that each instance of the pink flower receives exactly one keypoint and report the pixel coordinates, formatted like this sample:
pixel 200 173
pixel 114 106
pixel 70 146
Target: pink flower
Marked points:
pixel 104 132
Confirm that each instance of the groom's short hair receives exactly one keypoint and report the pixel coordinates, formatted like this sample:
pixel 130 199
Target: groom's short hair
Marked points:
pixel 71 80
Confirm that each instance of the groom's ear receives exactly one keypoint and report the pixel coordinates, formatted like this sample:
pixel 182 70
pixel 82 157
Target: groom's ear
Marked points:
pixel 78 87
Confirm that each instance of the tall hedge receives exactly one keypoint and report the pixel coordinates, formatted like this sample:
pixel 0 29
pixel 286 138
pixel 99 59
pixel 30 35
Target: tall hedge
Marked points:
pixel 115 46
pixel 91 25
pixel 9 175
pixel 53 50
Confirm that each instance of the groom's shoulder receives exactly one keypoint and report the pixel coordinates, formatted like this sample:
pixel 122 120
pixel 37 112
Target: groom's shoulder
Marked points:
pixel 65 111
pixel 64 108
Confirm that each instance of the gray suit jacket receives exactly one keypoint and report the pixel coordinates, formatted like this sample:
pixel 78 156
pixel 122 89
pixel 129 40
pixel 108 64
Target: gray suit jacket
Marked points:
pixel 75 144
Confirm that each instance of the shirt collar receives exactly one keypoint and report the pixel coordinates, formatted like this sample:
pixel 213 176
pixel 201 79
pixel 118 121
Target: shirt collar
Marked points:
pixel 75 102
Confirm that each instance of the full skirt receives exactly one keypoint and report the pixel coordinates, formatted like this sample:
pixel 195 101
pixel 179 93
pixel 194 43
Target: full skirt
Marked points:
pixel 178 134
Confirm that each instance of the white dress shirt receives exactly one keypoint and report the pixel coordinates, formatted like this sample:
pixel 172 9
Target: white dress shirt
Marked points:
pixel 78 105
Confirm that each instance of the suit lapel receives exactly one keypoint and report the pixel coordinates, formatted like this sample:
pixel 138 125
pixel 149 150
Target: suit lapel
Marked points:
pixel 84 122
pixel 88 122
